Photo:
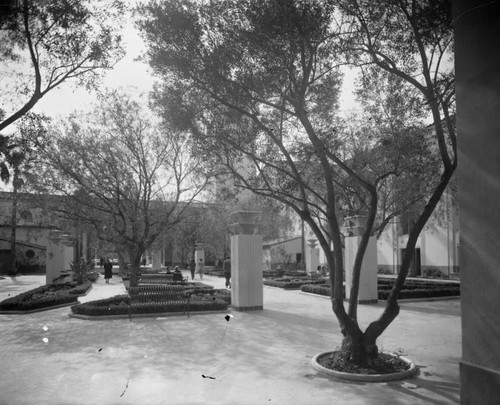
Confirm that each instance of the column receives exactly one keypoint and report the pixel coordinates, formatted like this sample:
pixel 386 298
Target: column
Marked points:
pixel 67 251
pixel 246 262
pixel 477 64
pixel 54 257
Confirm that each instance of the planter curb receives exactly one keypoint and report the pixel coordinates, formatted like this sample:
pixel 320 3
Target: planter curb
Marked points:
pixel 410 373
pixel 150 315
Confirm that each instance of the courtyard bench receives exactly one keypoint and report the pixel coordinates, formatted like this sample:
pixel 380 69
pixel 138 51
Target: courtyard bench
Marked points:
pixel 152 298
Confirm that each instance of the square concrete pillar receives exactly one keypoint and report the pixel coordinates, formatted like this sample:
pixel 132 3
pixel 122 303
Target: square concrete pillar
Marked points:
pixel 368 292
pixel 247 287
pixel 246 272
pixel 54 257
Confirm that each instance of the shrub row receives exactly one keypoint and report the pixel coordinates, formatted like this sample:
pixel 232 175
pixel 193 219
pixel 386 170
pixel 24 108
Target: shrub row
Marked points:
pixel 215 272
pixel 292 283
pixel 224 295
pixel 417 283
pixel 45 297
pixel 119 305
pixel 316 289
pixel 281 273
pixel 383 294
pixel 422 293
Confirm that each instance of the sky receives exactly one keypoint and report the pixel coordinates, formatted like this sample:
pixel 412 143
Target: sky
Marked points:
pixel 128 73
pixel 134 76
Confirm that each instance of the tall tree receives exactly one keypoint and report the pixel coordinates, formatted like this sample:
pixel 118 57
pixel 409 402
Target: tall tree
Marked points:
pixel 413 40
pixel 259 80
pixel 44 44
pixel 123 173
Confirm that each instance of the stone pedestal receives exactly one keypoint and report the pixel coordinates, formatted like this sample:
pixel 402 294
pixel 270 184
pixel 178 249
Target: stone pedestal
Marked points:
pixel 312 257
pixel 368 278
pixel 246 263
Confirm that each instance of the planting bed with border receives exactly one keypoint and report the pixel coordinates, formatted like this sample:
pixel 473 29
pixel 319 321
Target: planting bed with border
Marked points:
pixel 207 301
pixel 45 297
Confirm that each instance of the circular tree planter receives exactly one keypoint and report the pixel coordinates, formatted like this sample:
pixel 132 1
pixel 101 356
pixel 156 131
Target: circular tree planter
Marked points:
pixel 365 377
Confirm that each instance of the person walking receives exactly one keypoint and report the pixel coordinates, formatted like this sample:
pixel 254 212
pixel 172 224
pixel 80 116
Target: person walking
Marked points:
pixel 201 268
pixel 192 268
pixel 108 270
pixel 227 271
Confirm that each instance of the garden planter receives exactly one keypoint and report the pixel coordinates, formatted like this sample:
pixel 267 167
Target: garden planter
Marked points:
pixel 411 372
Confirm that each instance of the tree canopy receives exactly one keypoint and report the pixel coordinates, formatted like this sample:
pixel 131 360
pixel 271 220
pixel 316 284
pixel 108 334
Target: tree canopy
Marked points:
pixel 122 172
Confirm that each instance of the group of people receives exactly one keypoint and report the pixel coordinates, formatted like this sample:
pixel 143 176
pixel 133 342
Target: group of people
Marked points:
pixel 200 269
pixel 197 268
pixel 193 267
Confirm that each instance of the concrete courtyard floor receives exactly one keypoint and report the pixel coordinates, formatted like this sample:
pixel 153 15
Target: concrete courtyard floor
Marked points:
pixel 260 357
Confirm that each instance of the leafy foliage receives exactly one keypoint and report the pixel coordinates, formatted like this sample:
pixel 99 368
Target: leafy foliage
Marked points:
pixel 81 269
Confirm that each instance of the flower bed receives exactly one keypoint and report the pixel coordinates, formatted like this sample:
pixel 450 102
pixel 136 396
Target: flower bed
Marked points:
pixel 293 283
pixel 45 297
pixel 215 300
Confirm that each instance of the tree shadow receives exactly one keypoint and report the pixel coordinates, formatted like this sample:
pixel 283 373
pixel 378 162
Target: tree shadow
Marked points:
pixel 430 391
pixel 286 318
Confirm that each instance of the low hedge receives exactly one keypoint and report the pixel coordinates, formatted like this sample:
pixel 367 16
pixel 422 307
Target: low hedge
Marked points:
pixel 418 283
pixel 292 283
pixel 422 293
pixel 281 273
pixel 384 293
pixel 119 305
pixel 215 272
pixel 45 296
pixel 316 289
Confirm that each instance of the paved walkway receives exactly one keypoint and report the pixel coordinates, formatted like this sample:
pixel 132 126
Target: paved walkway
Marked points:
pixel 260 357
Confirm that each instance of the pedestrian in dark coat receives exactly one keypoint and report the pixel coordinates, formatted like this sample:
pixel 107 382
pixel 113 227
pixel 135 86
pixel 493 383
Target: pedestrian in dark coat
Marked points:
pixel 227 271
pixel 192 268
pixel 108 271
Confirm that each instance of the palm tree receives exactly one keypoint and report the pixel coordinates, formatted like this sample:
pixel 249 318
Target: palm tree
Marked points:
pixel 14 155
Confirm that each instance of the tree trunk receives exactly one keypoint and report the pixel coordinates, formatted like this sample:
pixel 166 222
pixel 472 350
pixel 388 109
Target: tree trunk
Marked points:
pixel 359 350
pixel 135 270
